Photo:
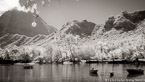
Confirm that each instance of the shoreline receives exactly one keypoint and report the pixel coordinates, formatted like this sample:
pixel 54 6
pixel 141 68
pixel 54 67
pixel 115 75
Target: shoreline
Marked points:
pixel 117 61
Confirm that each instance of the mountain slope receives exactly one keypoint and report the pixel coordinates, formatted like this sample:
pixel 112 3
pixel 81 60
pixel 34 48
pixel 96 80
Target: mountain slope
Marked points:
pixel 83 28
pixel 19 22
pixel 125 21
pixel 10 40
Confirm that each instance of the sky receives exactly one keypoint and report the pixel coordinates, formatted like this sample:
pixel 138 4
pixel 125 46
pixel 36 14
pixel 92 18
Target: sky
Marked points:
pixel 97 11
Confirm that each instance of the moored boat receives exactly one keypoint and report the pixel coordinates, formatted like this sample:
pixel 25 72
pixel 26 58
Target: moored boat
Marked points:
pixel 117 61
pixel 92 61
pixel 67 62
pixel 141 60
pixel 28 66
pixel 135 71
pixel 92 71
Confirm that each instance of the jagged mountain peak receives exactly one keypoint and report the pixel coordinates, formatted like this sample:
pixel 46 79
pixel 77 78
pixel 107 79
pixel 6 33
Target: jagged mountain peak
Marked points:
pixel 81 28
pixel 125 21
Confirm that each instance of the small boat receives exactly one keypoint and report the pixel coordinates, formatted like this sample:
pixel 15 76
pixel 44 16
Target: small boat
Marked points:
pixel 92 61
pixel 141 60
pixel 92 71
pixel 111 74
pixel 95 75
pixel 117 61
pixel 67 62
pixel 28 66
pixel 135 71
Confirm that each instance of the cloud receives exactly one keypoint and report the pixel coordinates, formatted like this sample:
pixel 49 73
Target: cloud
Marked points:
pixel 6 5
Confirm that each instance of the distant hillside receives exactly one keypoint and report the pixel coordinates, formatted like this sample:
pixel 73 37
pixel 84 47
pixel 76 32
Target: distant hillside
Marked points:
pixel 83 28
pixel 19 22
pixel 125 26
pixel 125 21
pixel 10 40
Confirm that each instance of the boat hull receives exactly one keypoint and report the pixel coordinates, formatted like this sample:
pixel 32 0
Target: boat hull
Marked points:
pixel 28 66
pixel 117 61
pixel 93 71
pixel 135 71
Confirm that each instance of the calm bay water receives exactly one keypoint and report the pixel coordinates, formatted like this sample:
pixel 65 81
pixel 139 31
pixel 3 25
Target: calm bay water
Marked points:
pixel 67 73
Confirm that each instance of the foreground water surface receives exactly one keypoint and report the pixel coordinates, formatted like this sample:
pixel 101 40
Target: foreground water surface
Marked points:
pixel 68 73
